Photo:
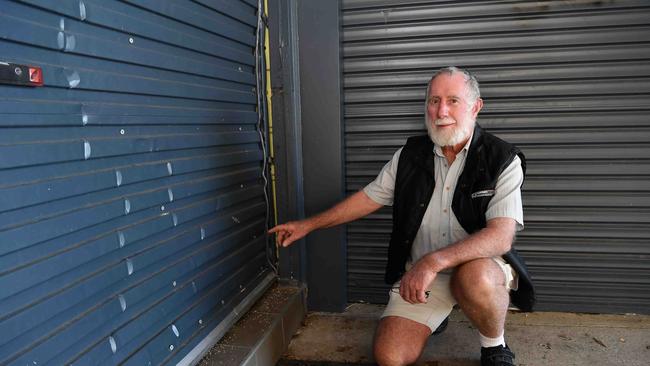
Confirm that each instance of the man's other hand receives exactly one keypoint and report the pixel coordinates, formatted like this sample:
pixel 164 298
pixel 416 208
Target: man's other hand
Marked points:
pixel 416 281
pixel 290 232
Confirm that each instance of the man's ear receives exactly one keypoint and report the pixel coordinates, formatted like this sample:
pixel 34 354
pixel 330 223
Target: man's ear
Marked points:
pixel 478 105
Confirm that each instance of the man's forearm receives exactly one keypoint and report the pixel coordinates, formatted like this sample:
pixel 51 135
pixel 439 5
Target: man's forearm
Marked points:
pixel 494 240
pixel 354 207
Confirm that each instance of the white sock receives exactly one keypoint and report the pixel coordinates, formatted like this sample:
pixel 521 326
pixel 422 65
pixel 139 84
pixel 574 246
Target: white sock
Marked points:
pixel 491 342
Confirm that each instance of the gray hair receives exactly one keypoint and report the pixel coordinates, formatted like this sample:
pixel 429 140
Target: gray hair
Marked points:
pixel 470 81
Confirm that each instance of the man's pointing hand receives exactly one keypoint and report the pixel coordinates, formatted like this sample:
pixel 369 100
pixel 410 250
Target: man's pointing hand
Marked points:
pixel 290 232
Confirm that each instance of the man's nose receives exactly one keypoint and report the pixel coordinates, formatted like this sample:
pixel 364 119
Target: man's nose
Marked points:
pixel 443 110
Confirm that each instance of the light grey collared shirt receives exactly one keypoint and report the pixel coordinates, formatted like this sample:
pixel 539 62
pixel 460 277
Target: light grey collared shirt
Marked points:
pixel 440 227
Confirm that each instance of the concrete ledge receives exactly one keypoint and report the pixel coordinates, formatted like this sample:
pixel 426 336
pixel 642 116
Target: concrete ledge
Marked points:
pixel 264 333
pixel 201 349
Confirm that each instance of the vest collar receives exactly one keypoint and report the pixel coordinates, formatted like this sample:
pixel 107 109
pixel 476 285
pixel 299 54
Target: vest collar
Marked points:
pixel 423 157
pixel 475 149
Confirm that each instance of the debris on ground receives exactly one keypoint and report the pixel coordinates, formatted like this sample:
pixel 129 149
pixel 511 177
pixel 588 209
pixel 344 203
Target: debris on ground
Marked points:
pixel 599 341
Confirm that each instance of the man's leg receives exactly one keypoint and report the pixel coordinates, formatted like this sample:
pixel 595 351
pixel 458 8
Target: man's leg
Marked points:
pixel 399 341
pixel 479 287
pixel 481 290
pixel 404 328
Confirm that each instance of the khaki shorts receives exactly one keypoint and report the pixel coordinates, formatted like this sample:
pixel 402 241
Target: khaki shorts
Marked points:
pixel 440 301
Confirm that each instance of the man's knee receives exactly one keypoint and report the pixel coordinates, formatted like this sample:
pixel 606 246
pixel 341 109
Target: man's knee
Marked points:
pixel 476 279
pixel 390 356
pixel 399 341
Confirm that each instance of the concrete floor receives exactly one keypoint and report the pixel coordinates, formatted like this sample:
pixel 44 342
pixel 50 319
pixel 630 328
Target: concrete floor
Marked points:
pixel 540 338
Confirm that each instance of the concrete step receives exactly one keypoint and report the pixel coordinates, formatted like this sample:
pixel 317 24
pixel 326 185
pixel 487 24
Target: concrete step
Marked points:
pixel 261 336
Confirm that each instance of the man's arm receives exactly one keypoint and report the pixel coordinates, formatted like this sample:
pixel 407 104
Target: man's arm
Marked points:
pixel 354 207
pixel 375 195
pixel 492 241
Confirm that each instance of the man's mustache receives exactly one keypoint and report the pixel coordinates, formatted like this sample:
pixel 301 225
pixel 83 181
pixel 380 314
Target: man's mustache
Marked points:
pixel 444 121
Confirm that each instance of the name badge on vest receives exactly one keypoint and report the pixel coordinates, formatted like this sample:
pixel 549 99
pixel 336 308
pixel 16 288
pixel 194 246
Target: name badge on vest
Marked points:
pixel 485 193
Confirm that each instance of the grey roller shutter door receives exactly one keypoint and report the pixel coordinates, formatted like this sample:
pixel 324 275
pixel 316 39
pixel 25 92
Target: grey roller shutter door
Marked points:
pixel 132 210
pixel 567 81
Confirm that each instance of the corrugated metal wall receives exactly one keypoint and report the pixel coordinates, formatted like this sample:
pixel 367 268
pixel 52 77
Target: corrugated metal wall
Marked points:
pixel 132 210
pixel 567 81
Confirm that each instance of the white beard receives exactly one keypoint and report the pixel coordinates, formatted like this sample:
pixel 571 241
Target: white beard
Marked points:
pixel 453 137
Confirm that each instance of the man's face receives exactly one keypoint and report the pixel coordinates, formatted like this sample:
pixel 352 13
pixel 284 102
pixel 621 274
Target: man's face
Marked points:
pixel 450 110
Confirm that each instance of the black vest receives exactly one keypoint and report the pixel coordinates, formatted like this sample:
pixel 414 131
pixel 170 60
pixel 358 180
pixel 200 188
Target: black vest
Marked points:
pixel 487 157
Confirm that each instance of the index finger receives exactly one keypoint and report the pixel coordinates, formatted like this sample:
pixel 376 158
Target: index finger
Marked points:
pixel 276 228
